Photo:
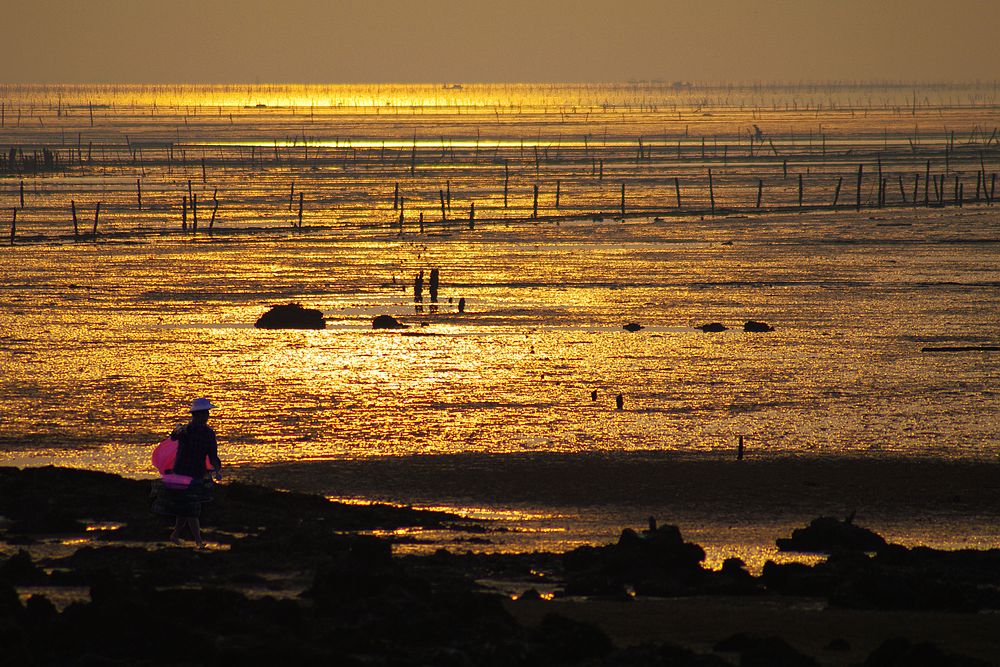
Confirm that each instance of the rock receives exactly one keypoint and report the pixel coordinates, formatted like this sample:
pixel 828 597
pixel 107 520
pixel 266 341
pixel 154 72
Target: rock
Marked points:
pixel 387 322
pixel 713 327
pixel 658 562
pixel 567 641
pixel 827 534
pixel 18 569
pixel 763 651
pixel 291 316
pixel 530 595
pixel 838 644
pixel 901 652
pixel 632 326
pixel 757 327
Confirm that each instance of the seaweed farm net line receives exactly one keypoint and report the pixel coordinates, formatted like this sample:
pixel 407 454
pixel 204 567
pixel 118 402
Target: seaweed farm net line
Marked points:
pixel 645 150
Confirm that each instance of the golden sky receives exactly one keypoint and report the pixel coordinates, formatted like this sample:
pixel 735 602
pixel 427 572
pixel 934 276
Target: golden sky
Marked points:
pixel 331 41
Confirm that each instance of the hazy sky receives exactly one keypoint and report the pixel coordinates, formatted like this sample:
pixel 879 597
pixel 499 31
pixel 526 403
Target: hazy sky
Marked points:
pixel 503 40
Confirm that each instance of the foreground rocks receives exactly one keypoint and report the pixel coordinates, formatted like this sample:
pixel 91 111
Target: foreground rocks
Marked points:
pixel 294 579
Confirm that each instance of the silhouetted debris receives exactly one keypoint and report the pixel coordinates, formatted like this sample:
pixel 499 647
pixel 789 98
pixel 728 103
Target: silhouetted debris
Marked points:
pixel 632 326
pixel 291 316
pixel 387 322
pixel 713 327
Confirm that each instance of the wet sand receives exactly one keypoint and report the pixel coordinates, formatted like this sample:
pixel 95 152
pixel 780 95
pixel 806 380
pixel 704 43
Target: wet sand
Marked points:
pixel 721 503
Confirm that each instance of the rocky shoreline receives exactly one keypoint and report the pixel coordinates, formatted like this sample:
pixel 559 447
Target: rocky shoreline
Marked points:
pixel 297 578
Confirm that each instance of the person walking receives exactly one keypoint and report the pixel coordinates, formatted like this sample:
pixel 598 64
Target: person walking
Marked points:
pixel 197 446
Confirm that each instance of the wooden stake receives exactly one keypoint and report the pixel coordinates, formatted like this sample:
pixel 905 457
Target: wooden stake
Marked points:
pixel 13 225
pixel 194 214
pixel 395 198
pixel 623 200
pixel 711 191
pixel 836 193
pixel 215 209
pixel 138 193
pixel 97 214
pixel 22 193
pixel 444 216
pixel 677 190
pixel 76 228
pixel 558 188
pixel 291 196
pixel 472 215
pixel 300 210
pixel 506 182
pixel 184 213
pixel 760 191
pixel 800 190
pixel 927 184
pixel 860 173
pixel 421 222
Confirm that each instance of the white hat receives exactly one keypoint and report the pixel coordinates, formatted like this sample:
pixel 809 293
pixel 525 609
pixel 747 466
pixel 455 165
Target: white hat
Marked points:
pixel 199 404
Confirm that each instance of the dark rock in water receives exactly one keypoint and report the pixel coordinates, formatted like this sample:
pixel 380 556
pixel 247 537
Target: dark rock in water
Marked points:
pixel 827 534
pixel 291 316
pixel 757 327
pixel 632 326
pixel 713 327
pixel 387 322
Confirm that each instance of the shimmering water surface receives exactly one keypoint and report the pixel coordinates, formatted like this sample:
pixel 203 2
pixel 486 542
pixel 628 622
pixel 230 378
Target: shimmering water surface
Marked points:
pixel 103 344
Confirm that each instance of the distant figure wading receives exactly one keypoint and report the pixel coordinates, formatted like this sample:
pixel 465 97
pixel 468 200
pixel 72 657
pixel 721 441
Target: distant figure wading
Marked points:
pixel 184 486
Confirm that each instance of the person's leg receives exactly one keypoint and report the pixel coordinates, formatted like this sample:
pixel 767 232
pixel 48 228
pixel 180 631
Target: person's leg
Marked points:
pixel 175 536
pixel 195 525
